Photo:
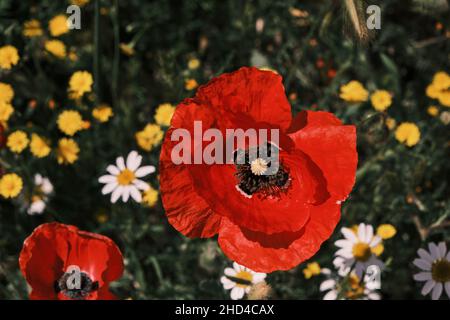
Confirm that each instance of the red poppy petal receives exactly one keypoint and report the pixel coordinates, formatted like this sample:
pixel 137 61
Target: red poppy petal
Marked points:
pixel 287 213
pixel 40 260
pixel 186 211
pixel 331 146
pixel 256 93
pixel 267 253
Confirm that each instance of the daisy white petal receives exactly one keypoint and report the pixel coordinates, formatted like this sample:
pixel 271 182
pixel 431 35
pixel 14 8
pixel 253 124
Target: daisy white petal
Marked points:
pixel 422 264
pixel 375 241
pixel 343 243
pixel 434 251
pixel 230 272
pixel 437 291
pixel 344 253
pixel 113 170
pixel 237 293
pixel 447 289
pixel 442 249
pixel 131 159
pixel 362 232
pixel 424 255
pixel 141 185
pixel 143 171
pixel 107 179
pixel 422 276
pixel 108 188
pixel 116 194
pixel 125 194
pixel 427 287
pixel 331 295
pixel 135 194
pixel 349 235
pixel 120 162
pixel 374 296
pixel 327 285
pixel 369 233
pixel 227 283
pixel 237 267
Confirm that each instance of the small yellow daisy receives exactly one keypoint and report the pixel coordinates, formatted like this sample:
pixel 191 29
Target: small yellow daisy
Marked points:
pixel 6 92
pixel 67 152
pixel 164 114
pixel 102 113
pixel 6 110
pixel 39 147
pixel 190 84
pixel 10 185
pixel 70 122
pixel 9 56
pixel 381 100
pixel 80 83
pixel 56 48
pixel 408 133
pixel 17 141
pixel 193 64
pixel 32 28
pixel 58 25
pixel 433 111
pixel 312 269
pixel 353 91
pixel 149 137
pixel 150 197
pixel 386 231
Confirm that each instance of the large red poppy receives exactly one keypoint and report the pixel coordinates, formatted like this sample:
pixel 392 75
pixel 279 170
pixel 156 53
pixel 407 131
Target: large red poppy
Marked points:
pixel 51 252
pixel 265 224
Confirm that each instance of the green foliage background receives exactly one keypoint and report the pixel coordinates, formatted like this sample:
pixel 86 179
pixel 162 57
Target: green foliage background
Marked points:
pixel 395 184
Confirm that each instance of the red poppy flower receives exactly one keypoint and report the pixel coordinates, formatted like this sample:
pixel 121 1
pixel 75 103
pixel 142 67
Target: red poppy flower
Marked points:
pixel 264 223
pixel 61 262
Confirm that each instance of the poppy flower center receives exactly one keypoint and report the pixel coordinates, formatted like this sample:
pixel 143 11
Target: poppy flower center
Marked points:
pixel 126 177
pixel 69 286
pixel 440 270
pixel 253 177
pixel 361 251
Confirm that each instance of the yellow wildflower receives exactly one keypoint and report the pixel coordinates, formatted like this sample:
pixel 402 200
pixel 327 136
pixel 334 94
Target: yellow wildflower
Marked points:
pixel 67 152
pixel 433 111
pixel 150 197
pixel 378 249
pixel 6 110
pixel 190 84
pixel 312 269
pixel 441 80
pixel 354 91
pixel 56 47
pixel 6 92
pixel 32 28
pixel 193 64
pixel 70 122
pixel 17 141
pixel 444 98
pixel 164 114
pixel 386 231
pixel 390 123
pixel 58 25
pixel 149 137
pixel 39 147
pixel 408 133
pixel 9 56
pixel 80 83
pixel 381 100
pixel 10 185
pixel 432 91
pixel 102 113
pixel 79 3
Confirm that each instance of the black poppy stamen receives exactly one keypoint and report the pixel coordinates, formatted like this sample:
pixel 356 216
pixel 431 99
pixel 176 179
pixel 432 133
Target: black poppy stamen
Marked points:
pixel 67 285
pixel 253 173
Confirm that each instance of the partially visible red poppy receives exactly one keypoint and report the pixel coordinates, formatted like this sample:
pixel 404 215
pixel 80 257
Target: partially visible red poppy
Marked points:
pixel 265 223
pixel 61 262
pixel 2 136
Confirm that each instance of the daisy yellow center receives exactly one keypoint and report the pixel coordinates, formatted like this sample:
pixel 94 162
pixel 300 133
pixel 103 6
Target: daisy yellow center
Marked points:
pixel 245 277
pixel 258 166
pixel 440 270
pixel 126 177
pixel 361 251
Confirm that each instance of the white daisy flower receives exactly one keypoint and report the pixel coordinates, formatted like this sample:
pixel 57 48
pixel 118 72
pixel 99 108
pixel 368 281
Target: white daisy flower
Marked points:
pixel 435 266
pixel 356 249
pixel 123 178
pixel 240 280
pixel 43 188
pixel 350 288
